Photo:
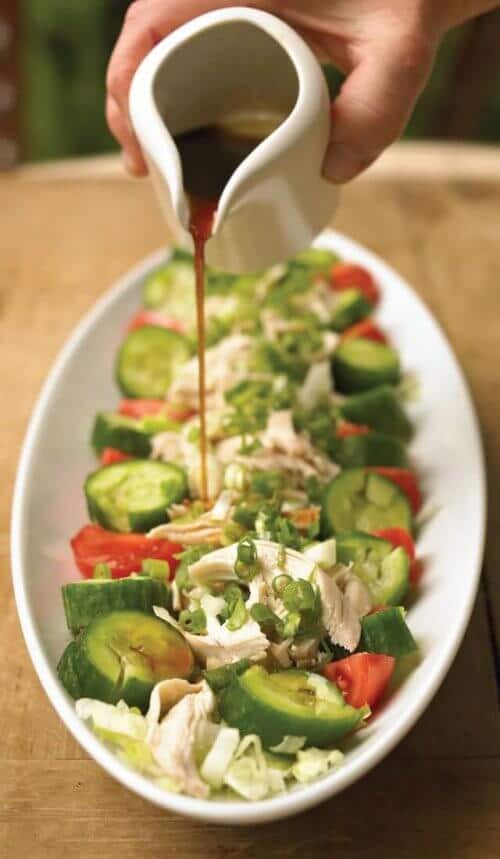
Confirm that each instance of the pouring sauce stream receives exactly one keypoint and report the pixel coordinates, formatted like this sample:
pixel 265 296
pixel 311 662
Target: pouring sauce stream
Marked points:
pixel 200 226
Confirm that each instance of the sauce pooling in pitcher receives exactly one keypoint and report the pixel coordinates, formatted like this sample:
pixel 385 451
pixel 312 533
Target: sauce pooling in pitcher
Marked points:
pixel 209 156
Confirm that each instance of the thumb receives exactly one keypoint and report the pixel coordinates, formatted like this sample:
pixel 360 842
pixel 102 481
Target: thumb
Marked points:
pixel 374 105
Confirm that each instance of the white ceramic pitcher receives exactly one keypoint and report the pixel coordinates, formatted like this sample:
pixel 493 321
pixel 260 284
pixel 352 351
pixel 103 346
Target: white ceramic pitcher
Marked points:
pixel 276 201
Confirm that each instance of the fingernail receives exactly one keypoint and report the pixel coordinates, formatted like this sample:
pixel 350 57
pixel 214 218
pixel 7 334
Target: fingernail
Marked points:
pixel 341 163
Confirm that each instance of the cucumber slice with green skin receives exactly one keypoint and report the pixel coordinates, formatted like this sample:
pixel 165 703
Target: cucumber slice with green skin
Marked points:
pixel 134 495
pixel 319 261
pixel 383 569
pixel 387 632
pixel 129 435
pixel 67 670
pixel 123 654
pixel 360 364
pixel 380 409
pixel 357 500
pixel 148 359
pixel 171 288
pixel 351 307
pixel 86 599
pixel 287 703
pixel 367 450
pixel 219 678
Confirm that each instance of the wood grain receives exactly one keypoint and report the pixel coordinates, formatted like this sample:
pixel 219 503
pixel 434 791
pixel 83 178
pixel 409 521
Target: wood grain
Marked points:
pixel 61 245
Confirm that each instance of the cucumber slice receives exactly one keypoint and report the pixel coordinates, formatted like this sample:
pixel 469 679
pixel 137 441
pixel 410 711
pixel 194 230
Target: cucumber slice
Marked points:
pixel 67 670
pixel 147 361
pixel 285 703
pixel 351 307
pixel 315 259
pixel 123 654
pixel 219 678
pixel 134 495
pixel 171 288
pixel 357 500
pixel 129 435
pixel 383 569
pixel 387 632
pixel 372 449
pixel 86 599
pixel 360 364
pixel 380 409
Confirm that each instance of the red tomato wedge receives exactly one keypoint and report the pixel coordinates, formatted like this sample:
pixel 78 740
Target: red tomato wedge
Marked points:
pixel 400 537
pixel 346 275
pixel 111 455
pixel 405 479
pixel 362 677
pixel 123 552
pixel 144 408
pixel 366 329
pixel 155 317
pixel 346 428
pixel 141 408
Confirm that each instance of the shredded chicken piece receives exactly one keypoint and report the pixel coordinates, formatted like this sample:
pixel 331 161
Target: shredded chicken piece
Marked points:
pixel 279 653
pixel 165 695
pixel 355 591
pixel 173 741
pixel 339 615
pixel 219 565
pixel 282 448
pixel 169 446
pixel 226 364
pixel 305 653
pixel 175 511
pixel 207 528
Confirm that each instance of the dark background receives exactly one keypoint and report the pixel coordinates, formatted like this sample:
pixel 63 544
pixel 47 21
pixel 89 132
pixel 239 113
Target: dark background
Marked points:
pixel 53 57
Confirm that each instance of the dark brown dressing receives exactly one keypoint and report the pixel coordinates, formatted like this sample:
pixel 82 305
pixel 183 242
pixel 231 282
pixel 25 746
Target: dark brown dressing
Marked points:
pixel 200 225
pixel 211 154
pixel 209 157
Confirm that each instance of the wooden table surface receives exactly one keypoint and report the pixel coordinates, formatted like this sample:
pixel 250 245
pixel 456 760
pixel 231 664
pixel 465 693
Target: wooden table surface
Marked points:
pixel 65 235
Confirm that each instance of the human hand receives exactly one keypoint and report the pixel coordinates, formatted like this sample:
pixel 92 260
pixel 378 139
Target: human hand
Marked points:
pixel 385 48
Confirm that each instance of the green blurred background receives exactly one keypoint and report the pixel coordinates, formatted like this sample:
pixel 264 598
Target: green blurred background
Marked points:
pixel 64 48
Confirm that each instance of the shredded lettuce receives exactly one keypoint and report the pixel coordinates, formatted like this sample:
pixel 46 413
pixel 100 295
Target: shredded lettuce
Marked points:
pixel 289 745
pixel 316 387
pixel 136 753
pixel 312 763
pixel 219 757
pixel 248 774
pixel 118 719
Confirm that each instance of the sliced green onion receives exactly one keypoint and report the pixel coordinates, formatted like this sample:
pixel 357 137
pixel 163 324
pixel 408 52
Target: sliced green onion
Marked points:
pixel 298 596
pixel 246 565
pixel 193 435
pixel 290 625
pixel 101 571
pixel 156 568
pixel 264 616
pixel 281 560
pixel 280 583
pixel 238 616
pixel 193 621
